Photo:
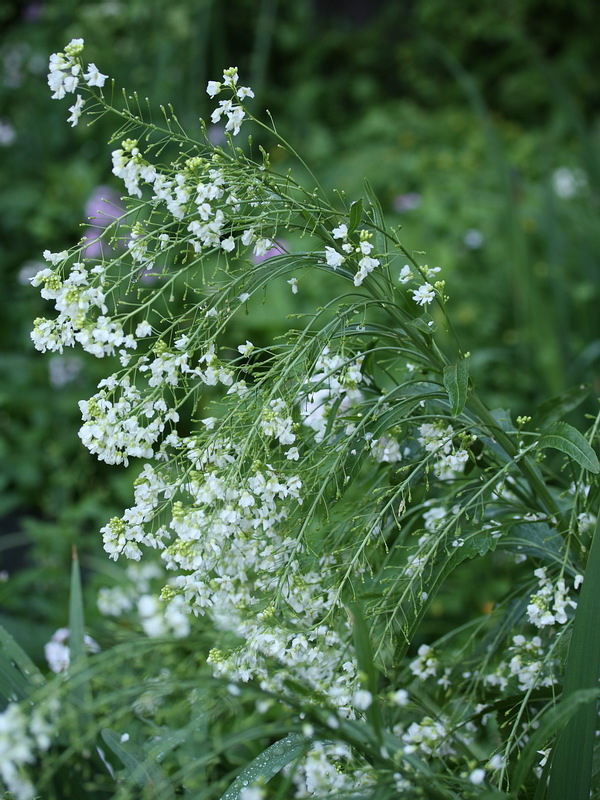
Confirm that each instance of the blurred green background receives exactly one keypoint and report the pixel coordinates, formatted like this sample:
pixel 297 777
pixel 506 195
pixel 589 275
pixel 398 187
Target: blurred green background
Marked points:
pixel 476 122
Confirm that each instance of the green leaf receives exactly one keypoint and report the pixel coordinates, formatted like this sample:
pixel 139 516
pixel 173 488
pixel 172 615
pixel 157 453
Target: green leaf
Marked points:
pixel 81 692
pixel 536 539
pixel 366 664
pixel 456 383
pixel 553 720
pixel 76 615
pixel 424 323
pixel 571 772
pixel 136 761
pixel 355 216
pixel 377 218
pixel 18 674
pixel 269 763
pixel 564 437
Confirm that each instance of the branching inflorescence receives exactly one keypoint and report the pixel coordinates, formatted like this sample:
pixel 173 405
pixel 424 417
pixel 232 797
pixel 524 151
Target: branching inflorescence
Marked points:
pixel 347 464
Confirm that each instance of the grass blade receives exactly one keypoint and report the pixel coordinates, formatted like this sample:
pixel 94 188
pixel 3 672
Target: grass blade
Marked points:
pixel 551 722
pixel 571 772
pixel 17 672
pixel 76 615
pixel 366 665
pixel 136 761
pixel 81 691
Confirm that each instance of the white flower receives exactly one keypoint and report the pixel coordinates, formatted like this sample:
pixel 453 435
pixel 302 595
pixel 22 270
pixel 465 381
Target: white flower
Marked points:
pixel 247 237
pixel 57 655
pixel 76 110
pixel 362 699
pixel 367 265
pixel 333 258
pixel 405 274
pixel 477 777
pixel 143 329
pixel 246 349
pixel 293 282
pixel 424 295
pixel 75 47
pixel 262 247
pixel 400 697
pixel 213 88
pixel 340 232
pixel 228 244
pixel 94 77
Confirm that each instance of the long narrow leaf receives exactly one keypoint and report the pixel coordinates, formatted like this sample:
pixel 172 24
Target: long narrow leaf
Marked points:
pixel 141 770
pixel 76 614
pixel 81 692
pixel 269 763
pixel 564 437
pixel 366 666
pixel 571 773
pixel 18 673
pixel 552 721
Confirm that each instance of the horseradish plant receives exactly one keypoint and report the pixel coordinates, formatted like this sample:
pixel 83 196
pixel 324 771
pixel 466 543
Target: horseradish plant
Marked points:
pixel 304 499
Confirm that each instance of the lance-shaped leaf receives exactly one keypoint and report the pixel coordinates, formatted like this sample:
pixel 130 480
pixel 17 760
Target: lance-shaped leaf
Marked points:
pixel 564 437
pixel 571 772
pixel 268 763
pixel 553 720
pixel 142 770
pixel 355 216
pixel 456 383
pixel 18 674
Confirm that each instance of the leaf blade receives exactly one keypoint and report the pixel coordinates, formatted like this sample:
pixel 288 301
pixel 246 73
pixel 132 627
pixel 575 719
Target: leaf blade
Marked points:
pixel 568 440
pixel 136 761
pixel 571 772
pixel 456 384
pixel 268 763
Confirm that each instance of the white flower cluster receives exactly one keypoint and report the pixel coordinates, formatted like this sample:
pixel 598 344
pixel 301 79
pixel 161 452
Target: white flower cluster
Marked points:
pixel 548 606
pixel 65 75
pixel 386 449
pixel 361 250
pixel 529 664
pixel 21 736
pixel 329 768
pixel 234 113
pixel 228 548
pixel 437 438
pixel 424 294
pixel 277 423
pixel 77 298
pixel 58 652
pixel 114 429
pixel 338 380
pixel 199 192
pixel 428 736
pixel 427 663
